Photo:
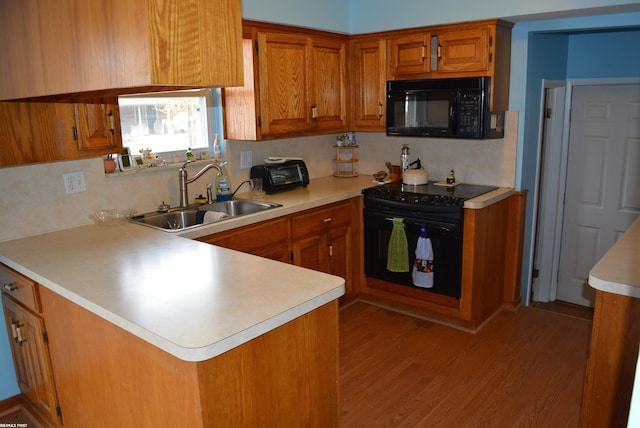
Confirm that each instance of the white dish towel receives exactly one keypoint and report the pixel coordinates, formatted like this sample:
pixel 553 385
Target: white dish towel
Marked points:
pixel 213 216
pixel 422 274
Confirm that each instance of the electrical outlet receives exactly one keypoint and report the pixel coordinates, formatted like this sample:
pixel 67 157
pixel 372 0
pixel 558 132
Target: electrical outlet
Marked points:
pixel 74 182
pixel 246 159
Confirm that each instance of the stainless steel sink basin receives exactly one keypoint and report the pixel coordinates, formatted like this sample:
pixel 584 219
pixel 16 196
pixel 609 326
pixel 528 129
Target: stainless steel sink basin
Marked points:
pixel 239 207
pixel 188 218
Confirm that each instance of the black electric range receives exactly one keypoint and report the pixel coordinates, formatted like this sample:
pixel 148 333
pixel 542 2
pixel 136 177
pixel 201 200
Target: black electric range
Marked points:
pixel 426 210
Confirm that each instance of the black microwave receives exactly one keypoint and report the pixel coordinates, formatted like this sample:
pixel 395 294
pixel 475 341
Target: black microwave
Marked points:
pixel 444 108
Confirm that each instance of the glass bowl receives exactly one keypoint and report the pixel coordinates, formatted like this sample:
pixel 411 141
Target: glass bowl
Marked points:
pixel 111 216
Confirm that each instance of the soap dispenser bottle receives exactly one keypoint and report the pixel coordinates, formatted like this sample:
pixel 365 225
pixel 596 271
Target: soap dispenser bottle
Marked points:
pixel 217 149
pixel 223 185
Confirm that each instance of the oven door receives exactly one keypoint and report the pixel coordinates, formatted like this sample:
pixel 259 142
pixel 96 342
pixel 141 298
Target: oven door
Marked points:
pixel 446 242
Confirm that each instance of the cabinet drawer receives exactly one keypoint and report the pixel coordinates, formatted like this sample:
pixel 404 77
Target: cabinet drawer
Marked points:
pixel 321 220
pixel 20 288
pixel 251 237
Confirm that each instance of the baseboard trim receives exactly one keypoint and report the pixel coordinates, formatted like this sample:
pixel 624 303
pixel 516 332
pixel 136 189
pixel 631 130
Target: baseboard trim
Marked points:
pixel 10 404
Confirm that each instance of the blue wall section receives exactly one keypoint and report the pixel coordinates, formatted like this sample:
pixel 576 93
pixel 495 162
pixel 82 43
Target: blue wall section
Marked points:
pixel 8 383
pixel 604 54
pixel 561 49
pixel 368 16
pixel 331 15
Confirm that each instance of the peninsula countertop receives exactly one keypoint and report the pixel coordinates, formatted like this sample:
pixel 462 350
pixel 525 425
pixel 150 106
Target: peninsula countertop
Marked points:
pixel 191 299
pixel 618 271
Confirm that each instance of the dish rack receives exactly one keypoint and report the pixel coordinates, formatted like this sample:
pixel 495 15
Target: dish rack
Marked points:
pixel 346 161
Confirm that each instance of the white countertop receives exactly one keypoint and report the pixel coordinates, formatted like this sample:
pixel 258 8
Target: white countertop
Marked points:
pixel 618 271
pixel 191 299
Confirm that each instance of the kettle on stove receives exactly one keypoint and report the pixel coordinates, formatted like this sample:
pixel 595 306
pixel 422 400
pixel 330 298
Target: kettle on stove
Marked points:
pixel 416 176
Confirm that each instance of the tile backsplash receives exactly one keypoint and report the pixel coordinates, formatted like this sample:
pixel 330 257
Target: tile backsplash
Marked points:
pixel 33 199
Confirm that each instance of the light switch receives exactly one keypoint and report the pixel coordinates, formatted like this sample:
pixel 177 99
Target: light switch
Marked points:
pixel 246 159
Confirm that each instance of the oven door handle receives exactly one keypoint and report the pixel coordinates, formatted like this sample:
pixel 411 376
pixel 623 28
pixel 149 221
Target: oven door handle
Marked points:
pixel 445 227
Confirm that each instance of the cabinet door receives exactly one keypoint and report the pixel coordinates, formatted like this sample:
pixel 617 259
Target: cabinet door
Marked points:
pixel 463 50
pixel 31 355
pixel 43 132
pixel 76 47
pixel 98 128
pixel 339 241
pixel 312 253
pixel 328 94
pixel 369 81
pixel 410 54
pixel 35 132
pixel 284 83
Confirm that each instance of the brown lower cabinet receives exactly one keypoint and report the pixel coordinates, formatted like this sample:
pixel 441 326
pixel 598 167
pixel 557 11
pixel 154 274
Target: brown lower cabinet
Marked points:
pixel 326 239
pixel 105 376
pixel 29 345
pixel 491 271
pixel 611 366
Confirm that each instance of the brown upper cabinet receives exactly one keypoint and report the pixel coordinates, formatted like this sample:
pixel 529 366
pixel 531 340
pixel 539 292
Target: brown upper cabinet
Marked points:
pixel 368 83
pixel 471 49
pixel 409 54
pixel 78 49
pixel 295 84
pixel 43 132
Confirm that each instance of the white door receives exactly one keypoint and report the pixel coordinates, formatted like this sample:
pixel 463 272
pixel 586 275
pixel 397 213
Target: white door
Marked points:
pixel 602 195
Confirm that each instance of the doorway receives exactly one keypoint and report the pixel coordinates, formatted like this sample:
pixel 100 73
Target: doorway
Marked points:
pixel 588 182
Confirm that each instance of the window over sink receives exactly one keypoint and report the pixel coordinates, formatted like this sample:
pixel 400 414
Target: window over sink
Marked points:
pixel 169 123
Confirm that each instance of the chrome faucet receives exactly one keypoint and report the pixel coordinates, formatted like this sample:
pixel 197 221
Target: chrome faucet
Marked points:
pixel 182 175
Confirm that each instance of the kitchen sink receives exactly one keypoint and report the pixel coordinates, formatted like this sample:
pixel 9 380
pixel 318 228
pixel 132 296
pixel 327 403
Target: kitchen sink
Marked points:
pixel 239 207
pixel 180 219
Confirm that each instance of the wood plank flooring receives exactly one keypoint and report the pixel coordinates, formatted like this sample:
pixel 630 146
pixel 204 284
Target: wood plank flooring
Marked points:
pixel 523 369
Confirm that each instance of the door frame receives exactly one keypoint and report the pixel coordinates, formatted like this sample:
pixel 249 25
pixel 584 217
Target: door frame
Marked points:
pixel 549 210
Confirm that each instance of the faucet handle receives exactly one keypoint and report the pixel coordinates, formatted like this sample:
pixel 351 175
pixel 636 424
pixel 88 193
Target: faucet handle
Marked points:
pixel 163 207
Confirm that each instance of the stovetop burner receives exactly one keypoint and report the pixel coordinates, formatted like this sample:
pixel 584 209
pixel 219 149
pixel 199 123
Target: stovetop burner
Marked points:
pixel 427 194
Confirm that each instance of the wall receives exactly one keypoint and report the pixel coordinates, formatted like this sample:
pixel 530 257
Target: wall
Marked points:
pixel 616 54
pixel 560 49
pixel 330 15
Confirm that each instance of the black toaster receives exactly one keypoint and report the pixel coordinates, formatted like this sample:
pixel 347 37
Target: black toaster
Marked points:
pixel 281 176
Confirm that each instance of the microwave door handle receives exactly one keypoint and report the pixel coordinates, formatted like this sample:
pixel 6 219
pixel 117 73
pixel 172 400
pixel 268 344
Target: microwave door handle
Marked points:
pixel 453 114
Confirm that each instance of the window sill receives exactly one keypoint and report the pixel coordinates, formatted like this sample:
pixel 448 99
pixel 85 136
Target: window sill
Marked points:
pixel 153 169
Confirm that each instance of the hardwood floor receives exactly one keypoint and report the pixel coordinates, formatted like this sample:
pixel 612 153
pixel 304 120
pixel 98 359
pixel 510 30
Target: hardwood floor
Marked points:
pixel 523 369
pixel 18 417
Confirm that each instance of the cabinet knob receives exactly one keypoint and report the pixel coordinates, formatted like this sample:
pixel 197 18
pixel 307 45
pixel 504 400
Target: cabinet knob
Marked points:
pixel 10 287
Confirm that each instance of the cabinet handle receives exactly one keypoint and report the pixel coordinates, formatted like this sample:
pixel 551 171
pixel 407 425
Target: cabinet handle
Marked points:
pixel 330 250
pixel 314 112
pixel 110 114
pixel 10 287
pixel 327 220
pixel 20 338
pixel 439 53
pixel 14 331
pixel 424 52
pixel 379 109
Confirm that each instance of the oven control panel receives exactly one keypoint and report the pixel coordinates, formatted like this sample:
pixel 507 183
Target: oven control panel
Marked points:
pixel 386 194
